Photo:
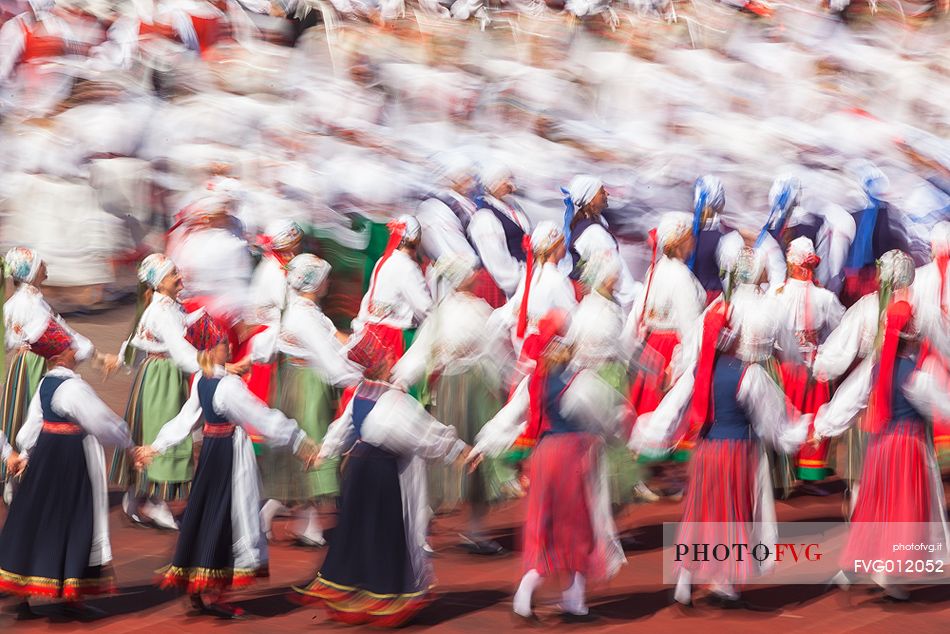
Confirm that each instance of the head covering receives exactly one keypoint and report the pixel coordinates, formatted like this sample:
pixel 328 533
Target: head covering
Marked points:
pixel 456 268
pixel 940 251
pixel 674 226
pixel 281 234
pixel 54 341
pixel 205 333
pixel 368 352
pixel 579 192
pixel 801 258
pixel 23 264
pixel 544 237
pixel 600 267
pixel 709 199
pixel 494 174
pixel 874 184
pixel 784 196
pixel 895 270
pixel 154 268
pixel 307 272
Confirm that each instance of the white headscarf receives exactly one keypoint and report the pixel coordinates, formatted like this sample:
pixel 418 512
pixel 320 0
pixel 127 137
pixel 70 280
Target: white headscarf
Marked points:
pixel 545 235
pixel 673 226
pixel 455 268
pixel 583 188
pixel 306 272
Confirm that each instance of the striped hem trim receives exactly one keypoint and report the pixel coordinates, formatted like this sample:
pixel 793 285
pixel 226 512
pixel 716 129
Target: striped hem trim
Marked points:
pixel 813 474
pixel 356 606
pixel 197 579
pixel 69 589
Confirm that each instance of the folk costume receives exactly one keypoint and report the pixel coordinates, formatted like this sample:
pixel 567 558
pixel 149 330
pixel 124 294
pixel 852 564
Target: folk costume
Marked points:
pixel 376 571
pixel 55 542
pixel 811 312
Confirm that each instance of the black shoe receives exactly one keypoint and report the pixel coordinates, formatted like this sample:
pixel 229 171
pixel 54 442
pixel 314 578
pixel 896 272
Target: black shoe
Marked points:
pixel 487 547
pixel 82 612
pixel 23 612
pixel 590 617
pixel 223 611
pixel 726 603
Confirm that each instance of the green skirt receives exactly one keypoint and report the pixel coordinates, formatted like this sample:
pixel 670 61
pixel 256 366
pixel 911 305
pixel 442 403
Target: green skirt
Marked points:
pixel 23 379
pixel 303 396
pixel 466 402
pixel 158 393
pixel 623 472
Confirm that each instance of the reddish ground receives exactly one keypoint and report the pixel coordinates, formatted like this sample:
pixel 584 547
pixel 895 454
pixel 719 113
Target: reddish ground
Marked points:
pixel 475 593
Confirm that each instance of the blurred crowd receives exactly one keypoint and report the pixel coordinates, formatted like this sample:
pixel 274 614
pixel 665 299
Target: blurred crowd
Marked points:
pixel 116 116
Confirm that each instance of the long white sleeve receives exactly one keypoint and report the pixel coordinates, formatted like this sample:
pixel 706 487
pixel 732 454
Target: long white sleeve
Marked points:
pixel 398 423
pixel 5 448
pixel 12 42
pixel 77 400
pixel 184 355
pixel 850 399
pixel 340 435
pixel 307 333
pixel 767 407
pixel 926 394
pixel 178 428
pixel 498 434
pixel 844 345
pixel 32 426
pixel 593 403
pixel 653 432
pixel 235 401
pixel 774 261
pixel 412 366
pixel 489 240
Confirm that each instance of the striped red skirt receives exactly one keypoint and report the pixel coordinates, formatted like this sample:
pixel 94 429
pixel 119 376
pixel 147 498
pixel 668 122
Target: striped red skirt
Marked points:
pixel 897 502
pixel 807 395
pixel 558 534
pixel 484 287
pixel 719 506
pixel 648 386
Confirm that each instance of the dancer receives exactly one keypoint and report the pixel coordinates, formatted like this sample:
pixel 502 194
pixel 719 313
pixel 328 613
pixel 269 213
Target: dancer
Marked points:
pixel 55 542
pixel 159 390
pixel 709 199
pixel 397 299
pixel 811 313
pixel 312 363
pixel 376 571
pixel 586 232
pixel 25 316
pixel 737 409
pixel 465 358
pixel 901 499
pixel 221 545
pixel 569 529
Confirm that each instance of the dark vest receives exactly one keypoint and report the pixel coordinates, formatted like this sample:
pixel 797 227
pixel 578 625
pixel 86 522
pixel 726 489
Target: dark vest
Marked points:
pixel 554 388
pixel 883 237
pixel 513 232
pixel 802 230
pixel 901 409
pixel 706 266
pixel 729 418
pixel 464 215
pixel 206 389
pixel 364 401
pixel 576 234
pixel 48 387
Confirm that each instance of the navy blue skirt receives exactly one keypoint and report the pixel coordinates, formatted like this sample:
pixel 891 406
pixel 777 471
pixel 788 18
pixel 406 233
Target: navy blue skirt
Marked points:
pixel 366 576
pixel 47 538
pixel 204 559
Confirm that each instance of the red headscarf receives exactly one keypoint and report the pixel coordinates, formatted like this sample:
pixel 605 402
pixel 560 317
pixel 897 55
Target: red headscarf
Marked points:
pixel 54 341
pixel 397 231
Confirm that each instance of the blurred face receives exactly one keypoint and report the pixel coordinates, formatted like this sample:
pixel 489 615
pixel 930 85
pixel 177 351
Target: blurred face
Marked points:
pixel 504 188
pixel 171 285
pixel 220 353
pixel 293 249
pixel 599 202
pixel 41 275
pixel 464 184
pixel 609 285
pixel 66 359
pixel 685 248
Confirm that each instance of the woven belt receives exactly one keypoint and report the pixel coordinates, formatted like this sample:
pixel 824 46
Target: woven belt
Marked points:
pixel 70 429
pixel 218 430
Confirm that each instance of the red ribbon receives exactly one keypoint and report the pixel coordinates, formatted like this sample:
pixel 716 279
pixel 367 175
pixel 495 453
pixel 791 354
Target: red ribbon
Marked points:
pixel 397 230
pixel 897 317
pixel 700 410
pixel 529 273
pixel 941 259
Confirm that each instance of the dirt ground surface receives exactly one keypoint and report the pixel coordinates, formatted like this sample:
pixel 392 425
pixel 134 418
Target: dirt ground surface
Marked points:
pixel 474 593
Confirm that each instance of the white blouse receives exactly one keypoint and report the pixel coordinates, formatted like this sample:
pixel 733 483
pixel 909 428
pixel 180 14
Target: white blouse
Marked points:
pixel 550 289
pixel 399 424
pixel 488 236
pixel 824 311
pixel 161 330
pixel 76 400
pixel 400 296
pixel 852 339
pixel 674 301
pixel 235 402
pixel 597 239
pixel 595 331
pixel 215 263
pixel 268 300
pixel 306 333
pixel 26 316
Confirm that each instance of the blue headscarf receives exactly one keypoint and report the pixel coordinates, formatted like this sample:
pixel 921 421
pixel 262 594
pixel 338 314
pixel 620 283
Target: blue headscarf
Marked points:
pixel 707 192
pixel 783 196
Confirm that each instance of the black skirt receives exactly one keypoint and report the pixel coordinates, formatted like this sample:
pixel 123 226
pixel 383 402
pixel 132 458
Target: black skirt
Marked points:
pixel 204 559
pixel 47 538
pixel 366 576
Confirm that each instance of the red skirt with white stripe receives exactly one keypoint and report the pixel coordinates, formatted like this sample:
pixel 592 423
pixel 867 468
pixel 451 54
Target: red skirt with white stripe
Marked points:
pixel 898 500
pixel 807 395
pixel 558 534
pixel 719 506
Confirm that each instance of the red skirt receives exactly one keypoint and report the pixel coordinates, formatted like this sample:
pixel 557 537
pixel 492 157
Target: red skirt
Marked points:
pixel 558 535
pixel 897 501
pixel 648 387
pixel 807 395
pixel 719 506
pixel 391 338
pixel 484 287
